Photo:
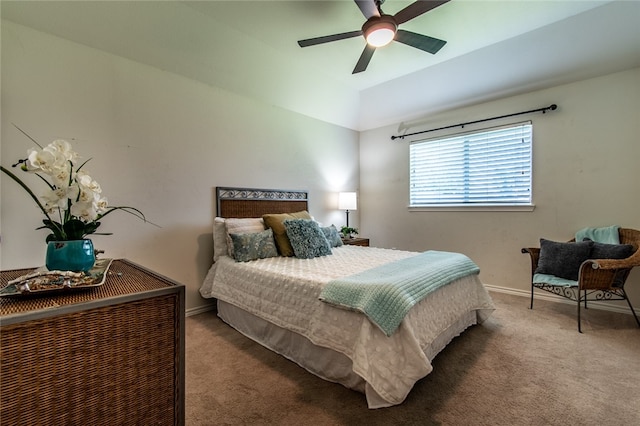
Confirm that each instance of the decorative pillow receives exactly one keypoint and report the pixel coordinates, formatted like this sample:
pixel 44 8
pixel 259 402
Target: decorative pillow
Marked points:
pixel 252 246
pixel 562 259
pixel 219 238
pixel 611 251
pixel 332 235
pixel 275 222
pixel 307 239
pixel 242 226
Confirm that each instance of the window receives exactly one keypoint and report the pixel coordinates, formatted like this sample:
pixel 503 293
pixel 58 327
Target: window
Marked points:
pixel 491 167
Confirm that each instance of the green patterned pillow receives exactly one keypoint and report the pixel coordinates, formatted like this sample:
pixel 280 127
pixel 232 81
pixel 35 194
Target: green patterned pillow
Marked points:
pixel 307 239
pixel 332 235
pixel 252 246
pixel 275 222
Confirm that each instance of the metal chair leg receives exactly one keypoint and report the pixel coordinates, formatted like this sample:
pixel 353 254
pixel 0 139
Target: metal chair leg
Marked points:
pixel 531 307
pixel 624 293
pixel 585 299
pixel 579 324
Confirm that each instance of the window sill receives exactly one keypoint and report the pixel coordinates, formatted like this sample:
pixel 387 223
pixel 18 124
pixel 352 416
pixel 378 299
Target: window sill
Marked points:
pixel 474 208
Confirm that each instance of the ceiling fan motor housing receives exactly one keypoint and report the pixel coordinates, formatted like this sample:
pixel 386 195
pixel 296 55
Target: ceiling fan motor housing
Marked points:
pixel 383 26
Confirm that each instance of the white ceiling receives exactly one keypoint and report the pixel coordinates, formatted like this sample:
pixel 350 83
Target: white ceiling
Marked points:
pixel 494 49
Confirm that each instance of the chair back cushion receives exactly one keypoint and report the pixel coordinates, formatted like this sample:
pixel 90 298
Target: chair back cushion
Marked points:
pixel 611 251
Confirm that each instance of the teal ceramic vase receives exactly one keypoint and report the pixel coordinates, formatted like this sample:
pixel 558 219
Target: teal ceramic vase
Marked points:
pixel 76 255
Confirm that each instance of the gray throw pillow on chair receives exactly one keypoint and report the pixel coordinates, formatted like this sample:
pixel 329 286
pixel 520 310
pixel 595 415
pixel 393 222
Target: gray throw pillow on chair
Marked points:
pixel 610 251
pixel 562 259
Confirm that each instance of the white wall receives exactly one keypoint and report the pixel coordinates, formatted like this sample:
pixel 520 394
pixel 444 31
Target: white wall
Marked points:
pixel 158 142
pixel 162 143
pixel 585 173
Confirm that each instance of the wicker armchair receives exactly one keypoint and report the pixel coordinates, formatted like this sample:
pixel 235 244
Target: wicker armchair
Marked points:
pixel 598 279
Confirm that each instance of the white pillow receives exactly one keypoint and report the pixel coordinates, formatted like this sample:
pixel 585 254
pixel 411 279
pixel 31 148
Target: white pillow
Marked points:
pixel 242 226
pixel 219 238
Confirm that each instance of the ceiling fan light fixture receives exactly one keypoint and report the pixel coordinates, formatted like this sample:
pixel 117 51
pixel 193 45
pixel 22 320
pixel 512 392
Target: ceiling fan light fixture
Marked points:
pixel 379 30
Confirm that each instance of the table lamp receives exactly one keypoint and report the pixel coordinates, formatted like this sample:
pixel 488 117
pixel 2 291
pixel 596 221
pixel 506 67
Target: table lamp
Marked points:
pixel 347 201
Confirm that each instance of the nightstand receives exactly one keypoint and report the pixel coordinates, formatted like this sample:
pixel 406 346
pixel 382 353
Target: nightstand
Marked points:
pixel 356 242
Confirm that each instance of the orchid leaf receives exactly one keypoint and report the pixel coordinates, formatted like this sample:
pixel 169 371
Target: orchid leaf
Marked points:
pixel 26 188
pixel 75 229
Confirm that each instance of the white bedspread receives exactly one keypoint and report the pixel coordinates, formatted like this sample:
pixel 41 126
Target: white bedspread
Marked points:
pixel 285 291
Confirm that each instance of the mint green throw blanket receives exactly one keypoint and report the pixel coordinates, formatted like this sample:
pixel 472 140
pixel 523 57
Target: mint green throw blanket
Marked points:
pixel 386 293
pixel 606 235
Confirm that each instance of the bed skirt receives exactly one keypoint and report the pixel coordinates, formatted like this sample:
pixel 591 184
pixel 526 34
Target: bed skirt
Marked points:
pixel 323 362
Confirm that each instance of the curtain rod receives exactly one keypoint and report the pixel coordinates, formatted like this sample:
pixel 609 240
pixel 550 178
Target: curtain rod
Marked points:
pixel 551 107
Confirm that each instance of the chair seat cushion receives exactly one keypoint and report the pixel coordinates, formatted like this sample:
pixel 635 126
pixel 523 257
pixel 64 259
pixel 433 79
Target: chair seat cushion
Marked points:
pixel 562 259
pixel 553 280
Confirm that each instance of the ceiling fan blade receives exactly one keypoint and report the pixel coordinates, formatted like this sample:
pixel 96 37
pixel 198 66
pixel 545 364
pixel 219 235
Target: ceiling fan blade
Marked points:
pixel 417 9
pixel 419 41
pixel 363 62
pixel 368 8
pixel 326 39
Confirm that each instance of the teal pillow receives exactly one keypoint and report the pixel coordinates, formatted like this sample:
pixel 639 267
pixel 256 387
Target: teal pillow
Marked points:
pixel 307 239
pixel 332 235
pixel 252 246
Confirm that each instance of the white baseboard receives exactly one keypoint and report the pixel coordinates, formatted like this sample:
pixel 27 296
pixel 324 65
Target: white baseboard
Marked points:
pixel 200 309
pixel 543 295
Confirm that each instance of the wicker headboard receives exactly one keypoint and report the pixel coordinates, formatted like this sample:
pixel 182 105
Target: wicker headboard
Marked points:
pixel 250 202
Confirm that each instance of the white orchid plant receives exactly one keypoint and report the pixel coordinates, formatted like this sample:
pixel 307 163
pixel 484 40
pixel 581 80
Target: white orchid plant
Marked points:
pixel 72 204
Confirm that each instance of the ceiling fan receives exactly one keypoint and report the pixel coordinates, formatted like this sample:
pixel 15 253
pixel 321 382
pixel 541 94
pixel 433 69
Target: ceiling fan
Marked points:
pixel 380 29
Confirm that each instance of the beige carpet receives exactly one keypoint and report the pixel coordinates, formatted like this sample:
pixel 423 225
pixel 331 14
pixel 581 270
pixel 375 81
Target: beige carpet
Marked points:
pixel 522 367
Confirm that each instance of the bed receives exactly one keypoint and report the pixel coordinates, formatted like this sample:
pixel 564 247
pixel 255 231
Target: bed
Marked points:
pixel 283 301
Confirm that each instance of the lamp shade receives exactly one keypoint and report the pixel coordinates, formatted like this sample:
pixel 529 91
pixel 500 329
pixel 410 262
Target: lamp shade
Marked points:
pixel 347 201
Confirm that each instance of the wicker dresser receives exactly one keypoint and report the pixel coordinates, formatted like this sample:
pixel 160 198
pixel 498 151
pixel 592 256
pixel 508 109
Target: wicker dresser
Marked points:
pixel 110 355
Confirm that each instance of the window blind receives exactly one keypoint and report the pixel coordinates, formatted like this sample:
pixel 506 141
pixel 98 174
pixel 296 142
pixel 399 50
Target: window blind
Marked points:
pixel 488 167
